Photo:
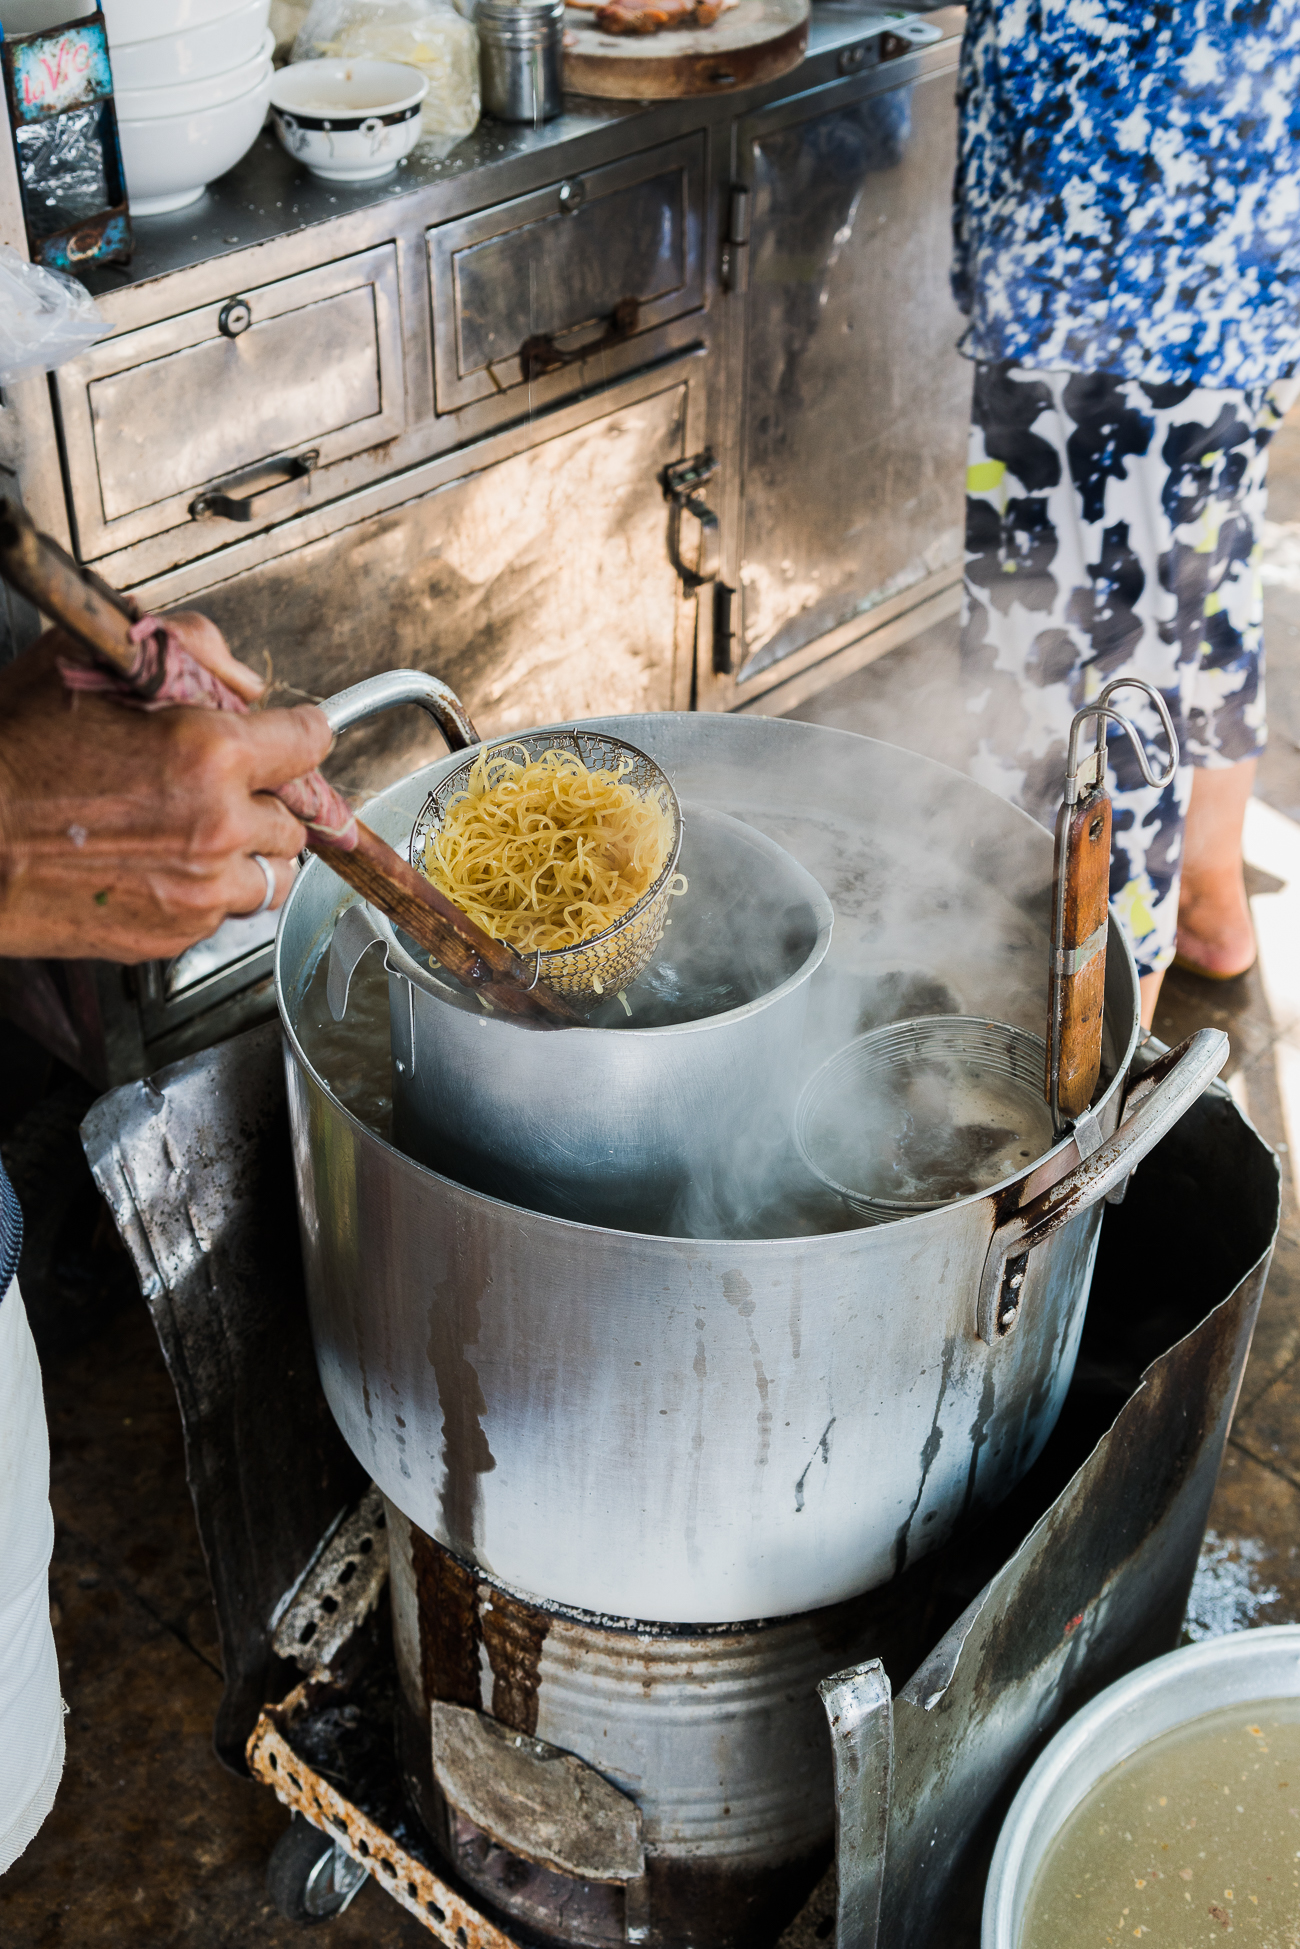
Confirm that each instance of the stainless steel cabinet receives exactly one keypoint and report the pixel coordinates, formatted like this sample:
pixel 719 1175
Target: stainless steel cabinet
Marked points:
pixel 432 423
pixel 852 428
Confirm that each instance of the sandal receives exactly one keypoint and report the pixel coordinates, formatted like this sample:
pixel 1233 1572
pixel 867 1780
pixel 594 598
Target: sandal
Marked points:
pixel 1212 974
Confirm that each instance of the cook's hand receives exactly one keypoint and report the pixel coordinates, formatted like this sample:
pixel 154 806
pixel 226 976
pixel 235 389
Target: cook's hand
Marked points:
pixel 127 835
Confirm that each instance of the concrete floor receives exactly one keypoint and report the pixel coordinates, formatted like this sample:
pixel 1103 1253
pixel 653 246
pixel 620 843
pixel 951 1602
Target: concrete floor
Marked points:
pixel 151 1842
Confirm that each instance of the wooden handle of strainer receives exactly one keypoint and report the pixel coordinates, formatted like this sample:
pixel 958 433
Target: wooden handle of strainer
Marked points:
pixel 1078 966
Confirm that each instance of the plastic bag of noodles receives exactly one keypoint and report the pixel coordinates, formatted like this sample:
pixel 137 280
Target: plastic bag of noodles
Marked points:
pixel 427 34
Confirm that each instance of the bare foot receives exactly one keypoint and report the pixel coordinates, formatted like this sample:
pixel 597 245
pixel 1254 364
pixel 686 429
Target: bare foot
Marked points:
pixel 1215 934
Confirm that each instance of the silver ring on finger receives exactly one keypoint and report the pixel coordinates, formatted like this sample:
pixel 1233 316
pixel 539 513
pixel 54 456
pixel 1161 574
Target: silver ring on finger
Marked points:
pixel 268 874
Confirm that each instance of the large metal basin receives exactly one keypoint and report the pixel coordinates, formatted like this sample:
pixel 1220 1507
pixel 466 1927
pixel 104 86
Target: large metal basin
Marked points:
pixel 1248 1668
pixel 706 1429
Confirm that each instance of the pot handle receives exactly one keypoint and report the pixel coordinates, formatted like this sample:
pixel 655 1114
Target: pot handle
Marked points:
pixel 392 687
pixel 1161 1096
pixel 354 934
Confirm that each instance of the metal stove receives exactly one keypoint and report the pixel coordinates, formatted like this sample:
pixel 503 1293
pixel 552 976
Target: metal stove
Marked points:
pixel 442 1739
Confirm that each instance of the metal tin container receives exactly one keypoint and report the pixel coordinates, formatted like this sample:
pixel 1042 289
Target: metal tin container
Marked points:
pixel 1247 1668
pixel 712 1428
pixel 521 48
pixel 715 1736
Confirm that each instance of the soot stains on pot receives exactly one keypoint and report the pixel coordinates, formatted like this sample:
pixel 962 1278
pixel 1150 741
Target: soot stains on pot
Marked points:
pixel 453 1326
pixel 823 1449
pixel 979 1434
pixel 929 1455
pixel 738 1292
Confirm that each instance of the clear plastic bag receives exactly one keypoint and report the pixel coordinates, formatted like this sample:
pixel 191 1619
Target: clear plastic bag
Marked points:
pixel 45 317
pixel 287 18
pixel 426 34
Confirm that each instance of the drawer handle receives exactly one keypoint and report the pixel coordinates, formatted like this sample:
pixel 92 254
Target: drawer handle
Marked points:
pixel 540 354
pixel 244 507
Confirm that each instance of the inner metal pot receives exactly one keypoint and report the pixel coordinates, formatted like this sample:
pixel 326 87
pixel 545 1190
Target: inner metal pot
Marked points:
pixel 616 1124
pixel 716 1428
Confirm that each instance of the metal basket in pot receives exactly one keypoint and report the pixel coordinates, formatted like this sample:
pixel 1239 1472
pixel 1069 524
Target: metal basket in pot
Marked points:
pixel 921 1113
pixel 612 959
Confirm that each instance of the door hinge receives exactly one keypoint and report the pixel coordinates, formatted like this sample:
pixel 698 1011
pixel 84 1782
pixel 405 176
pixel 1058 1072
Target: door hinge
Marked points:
pixel 735 243
pixel 724 605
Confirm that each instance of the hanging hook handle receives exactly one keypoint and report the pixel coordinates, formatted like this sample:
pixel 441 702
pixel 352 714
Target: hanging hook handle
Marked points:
pixel 1077 783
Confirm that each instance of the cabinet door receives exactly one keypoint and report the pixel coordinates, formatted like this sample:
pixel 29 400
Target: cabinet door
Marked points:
pixel 855 399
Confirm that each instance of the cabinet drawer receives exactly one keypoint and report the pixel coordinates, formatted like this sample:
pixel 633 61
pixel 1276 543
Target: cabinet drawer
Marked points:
pixel 557 263
pixel 234 413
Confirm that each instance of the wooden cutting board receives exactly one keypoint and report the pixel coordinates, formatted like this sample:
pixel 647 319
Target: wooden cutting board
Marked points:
pixel 751 42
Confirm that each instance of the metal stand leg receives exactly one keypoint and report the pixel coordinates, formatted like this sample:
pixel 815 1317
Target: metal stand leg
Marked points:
pixel 859 1706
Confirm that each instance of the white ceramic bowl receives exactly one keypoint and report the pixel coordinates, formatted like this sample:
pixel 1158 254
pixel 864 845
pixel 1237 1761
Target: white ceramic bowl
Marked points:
pixel 171 159
pixel 147 20
pixel 349 121
pixel 192 54
pixel 1246 1668
pixel 189 97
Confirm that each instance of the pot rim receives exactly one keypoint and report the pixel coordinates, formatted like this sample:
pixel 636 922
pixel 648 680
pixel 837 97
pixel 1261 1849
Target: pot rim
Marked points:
pixel 851 1239
pixel 1179 1677
pixel 797 1241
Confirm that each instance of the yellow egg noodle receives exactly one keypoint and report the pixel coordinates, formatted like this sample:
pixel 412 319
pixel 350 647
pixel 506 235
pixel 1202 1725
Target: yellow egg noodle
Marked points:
pixel 546 853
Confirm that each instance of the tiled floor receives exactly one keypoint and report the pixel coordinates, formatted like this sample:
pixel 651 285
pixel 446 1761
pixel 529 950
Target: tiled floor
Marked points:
pixel 151 1843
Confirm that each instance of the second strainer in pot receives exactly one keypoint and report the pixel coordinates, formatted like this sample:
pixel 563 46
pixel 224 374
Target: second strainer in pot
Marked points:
pixel 922 1113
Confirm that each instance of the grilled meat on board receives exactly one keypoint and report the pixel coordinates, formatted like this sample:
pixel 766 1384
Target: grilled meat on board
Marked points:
pixel 653 16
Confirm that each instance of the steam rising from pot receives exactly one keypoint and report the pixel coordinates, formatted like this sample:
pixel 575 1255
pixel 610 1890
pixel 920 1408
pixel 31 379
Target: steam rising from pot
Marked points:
pixel 932 918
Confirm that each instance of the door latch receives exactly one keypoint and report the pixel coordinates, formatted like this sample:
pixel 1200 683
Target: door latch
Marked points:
pixel 680 482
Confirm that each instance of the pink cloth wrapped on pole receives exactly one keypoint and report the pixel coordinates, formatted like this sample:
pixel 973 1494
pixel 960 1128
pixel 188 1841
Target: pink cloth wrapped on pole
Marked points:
pixel 169 677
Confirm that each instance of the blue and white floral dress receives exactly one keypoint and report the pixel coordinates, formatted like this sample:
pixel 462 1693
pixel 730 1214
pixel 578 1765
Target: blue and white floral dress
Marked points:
pixel 1127 249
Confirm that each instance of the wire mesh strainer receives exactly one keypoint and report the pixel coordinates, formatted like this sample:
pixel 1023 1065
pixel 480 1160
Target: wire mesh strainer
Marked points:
pixel 614 957
pixel 921 1113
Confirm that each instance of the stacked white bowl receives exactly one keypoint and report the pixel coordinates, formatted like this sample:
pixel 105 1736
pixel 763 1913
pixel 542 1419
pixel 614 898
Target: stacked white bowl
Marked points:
pixel 192 79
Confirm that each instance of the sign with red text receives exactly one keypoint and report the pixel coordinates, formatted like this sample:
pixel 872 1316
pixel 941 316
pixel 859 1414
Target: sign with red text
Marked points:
pixel 64 69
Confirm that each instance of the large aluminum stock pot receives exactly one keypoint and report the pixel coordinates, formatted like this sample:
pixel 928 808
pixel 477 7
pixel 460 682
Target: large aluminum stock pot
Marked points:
pixel 720 1428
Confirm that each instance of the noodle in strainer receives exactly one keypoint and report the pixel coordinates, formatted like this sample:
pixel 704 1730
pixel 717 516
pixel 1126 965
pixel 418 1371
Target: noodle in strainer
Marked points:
pixel 563 843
